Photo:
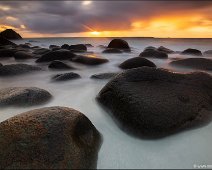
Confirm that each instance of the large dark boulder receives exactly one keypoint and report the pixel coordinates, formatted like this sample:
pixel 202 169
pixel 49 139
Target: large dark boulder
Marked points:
pixel 56 55
pixel 103 76
pixel 119 44
pixel 49 138
pixel 1 64
pixel 23 96
pixel 66 76
pixel 89 60
pixel 59 65
pixel 10 34
pixel 4 41
pixel 153 53
pixel 195 63
pixel 78 48
pixel 136 62
pixel 17 69
pixel 191 51
pixel 154 103
pixel 165 50
pixel 23 55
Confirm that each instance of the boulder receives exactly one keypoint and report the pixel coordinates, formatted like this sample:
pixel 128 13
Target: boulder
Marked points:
pixel 23 96
pixel 195 63
pixel 1 64
pixel 208 53
pixel 119 44
pixel 89 45
pixel 136 62
pixel 65 46
pixel 153 53
pixel 66 76
pixel 191 51
pixel 154 103
pixel 49 138
pixel 10 34
pixel 59 65
pixel 7 52
pixel 17 69
pixel 4 41
pixel 112 50
pixel 78 48
pixel 165 50
pixel 24 46
pixel 103 76
pixel 23 55
pixel 56 55
pixel 53 46
pixel 89 60
pixel 41 51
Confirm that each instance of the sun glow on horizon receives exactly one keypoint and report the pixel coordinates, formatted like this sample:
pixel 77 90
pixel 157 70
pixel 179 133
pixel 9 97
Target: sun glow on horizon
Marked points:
pixel 86 3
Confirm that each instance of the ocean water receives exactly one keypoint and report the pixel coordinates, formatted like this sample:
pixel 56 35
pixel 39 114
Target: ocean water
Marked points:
pixel 119 149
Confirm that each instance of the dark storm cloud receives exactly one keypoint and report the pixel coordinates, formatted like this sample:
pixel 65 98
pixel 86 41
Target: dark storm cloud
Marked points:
pixel 70 16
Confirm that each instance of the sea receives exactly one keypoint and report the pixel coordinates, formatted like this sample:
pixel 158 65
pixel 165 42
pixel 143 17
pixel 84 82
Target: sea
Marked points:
pixel 119 150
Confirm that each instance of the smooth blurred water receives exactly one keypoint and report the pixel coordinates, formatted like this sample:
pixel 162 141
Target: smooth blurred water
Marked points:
pixel 119 150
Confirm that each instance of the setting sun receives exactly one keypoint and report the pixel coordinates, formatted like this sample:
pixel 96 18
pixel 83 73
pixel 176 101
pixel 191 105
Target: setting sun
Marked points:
pixel 95 33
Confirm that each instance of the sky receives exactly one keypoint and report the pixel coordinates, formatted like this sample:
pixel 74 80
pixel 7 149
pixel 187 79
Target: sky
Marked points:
pixel 173 18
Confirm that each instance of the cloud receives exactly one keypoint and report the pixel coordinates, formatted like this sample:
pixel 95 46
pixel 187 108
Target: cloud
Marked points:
pixel 53 17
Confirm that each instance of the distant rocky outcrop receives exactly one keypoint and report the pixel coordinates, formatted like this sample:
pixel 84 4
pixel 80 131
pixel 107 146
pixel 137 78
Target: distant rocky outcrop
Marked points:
pixel 10 34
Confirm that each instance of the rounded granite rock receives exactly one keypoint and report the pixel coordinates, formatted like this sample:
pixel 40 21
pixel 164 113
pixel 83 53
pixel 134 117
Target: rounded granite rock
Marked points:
pixel 49 138
pixel 154 103
pixel 23 96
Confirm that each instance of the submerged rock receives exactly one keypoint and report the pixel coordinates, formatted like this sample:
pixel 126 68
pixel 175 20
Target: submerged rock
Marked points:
pixel 165 50
pixel 59 65
pixel 7 52
pixel 65 46
pixel 153 53
pixel 136 62
pixel 17 69
pixel 119 44
pixel 23 96
pixel 41 51
pixel 196 63
pixel 112 50
pixel 89 60
pixel 10 34
pixel 66 76
pixel 49 138
pixel 104 76
pixel 78 48
pixel 23 55
pixel 191 51
pixel 208 53
pixel 53 46
pixel 56 55
pixel 154 103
